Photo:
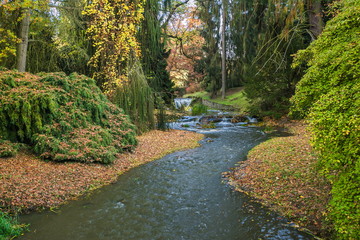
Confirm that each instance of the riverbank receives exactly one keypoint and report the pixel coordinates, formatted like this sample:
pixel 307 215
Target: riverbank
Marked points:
pixel 281 174
pixel 30 184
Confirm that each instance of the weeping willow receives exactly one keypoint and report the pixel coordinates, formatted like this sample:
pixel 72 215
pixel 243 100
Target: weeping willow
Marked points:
pixel 153 51
pixel 136 97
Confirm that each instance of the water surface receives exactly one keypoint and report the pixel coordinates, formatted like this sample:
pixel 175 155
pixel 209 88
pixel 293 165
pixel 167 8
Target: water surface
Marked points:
pixel 181 196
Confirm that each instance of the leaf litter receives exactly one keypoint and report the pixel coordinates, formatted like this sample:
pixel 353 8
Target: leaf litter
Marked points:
pixel 29 183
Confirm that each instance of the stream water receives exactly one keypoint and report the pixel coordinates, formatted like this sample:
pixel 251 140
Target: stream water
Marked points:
pixel 181 196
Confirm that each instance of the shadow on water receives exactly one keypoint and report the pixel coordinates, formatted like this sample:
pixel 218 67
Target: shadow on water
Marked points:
pixel 181 196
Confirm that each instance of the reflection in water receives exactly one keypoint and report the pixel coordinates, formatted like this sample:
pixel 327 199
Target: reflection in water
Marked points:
pixel 180 196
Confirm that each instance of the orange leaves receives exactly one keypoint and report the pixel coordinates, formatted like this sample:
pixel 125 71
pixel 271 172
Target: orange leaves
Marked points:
pixel 281 174
pixel 27 183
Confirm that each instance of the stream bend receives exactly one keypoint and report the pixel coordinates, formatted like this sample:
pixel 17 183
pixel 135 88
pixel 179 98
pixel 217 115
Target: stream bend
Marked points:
pixel 181 196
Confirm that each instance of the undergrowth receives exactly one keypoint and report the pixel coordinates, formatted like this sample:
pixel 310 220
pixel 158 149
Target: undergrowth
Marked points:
pixel 62 117
pixel 9 227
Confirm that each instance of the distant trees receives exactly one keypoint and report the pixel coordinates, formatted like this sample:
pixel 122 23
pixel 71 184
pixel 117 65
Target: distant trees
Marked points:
pixel 186 44
pixel 261 36
pixel 210 64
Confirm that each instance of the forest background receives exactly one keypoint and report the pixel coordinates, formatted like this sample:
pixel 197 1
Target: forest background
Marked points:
pixel 143 53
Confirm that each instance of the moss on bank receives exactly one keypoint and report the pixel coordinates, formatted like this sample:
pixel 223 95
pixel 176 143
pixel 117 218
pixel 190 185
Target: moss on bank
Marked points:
pixel 281 174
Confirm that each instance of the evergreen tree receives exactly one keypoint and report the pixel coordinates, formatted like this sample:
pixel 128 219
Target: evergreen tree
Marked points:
pixel 210 65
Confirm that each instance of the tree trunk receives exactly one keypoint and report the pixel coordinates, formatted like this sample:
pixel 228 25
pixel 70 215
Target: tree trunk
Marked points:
pixel 315 18
pixel 223 55
pixel 21 50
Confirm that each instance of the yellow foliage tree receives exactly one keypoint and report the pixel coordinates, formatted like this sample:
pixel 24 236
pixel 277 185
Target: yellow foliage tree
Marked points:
pixel 112 30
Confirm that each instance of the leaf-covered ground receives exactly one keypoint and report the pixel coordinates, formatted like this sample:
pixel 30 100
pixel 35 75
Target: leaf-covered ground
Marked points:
pixel 29 183
pixel 281 174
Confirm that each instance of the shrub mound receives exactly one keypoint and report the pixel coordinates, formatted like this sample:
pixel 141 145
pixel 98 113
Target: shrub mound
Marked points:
pixel 329 94
pixel 62 117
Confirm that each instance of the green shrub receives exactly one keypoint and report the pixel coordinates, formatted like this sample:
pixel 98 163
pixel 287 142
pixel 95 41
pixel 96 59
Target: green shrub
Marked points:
pixel 329 94
pixel 8 149
pixel 336 135
pixel 62 117
pixel 198 109
pixel 8 227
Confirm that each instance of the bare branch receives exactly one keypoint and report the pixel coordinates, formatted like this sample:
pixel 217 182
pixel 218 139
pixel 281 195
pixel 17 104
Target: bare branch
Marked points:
pixel 182 50
pixel 172 11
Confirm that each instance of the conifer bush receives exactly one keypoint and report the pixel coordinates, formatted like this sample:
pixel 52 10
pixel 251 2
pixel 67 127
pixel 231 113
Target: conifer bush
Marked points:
pixel 8 149
pixel 62 117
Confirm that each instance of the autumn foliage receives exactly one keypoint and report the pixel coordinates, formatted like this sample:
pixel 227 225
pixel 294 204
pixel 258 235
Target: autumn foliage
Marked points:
pixel 62 117
pixel 28 183
pixel 280 173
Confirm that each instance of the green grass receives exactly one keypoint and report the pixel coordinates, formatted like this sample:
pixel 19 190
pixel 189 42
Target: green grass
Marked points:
pixel 203 94
pixel 236 99
pixel 9 227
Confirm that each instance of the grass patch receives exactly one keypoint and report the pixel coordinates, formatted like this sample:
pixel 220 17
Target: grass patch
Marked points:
pixel 202 94
pixel 235 97
pixel 9 228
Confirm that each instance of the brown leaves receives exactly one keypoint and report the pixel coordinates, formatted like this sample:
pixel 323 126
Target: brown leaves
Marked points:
pixel 281 174
pixel 28 183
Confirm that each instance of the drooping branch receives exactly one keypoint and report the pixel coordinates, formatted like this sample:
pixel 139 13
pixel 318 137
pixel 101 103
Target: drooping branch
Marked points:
pixel 182 50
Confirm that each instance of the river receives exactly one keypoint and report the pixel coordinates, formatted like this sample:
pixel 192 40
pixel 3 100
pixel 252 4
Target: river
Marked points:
pixel 181 196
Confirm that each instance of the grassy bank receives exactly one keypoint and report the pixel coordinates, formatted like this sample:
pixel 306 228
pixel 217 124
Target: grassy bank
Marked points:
pixel 9 228
pixel 234 97
pixel 281 174
pixel 29 183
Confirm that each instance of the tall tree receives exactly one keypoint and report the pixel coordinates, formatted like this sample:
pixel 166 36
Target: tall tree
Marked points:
pixel 21 51
pixel 315 18
pixel 223 49
pixel 112 29
pixel 153 37
pixel 210 65
pixel 16 17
